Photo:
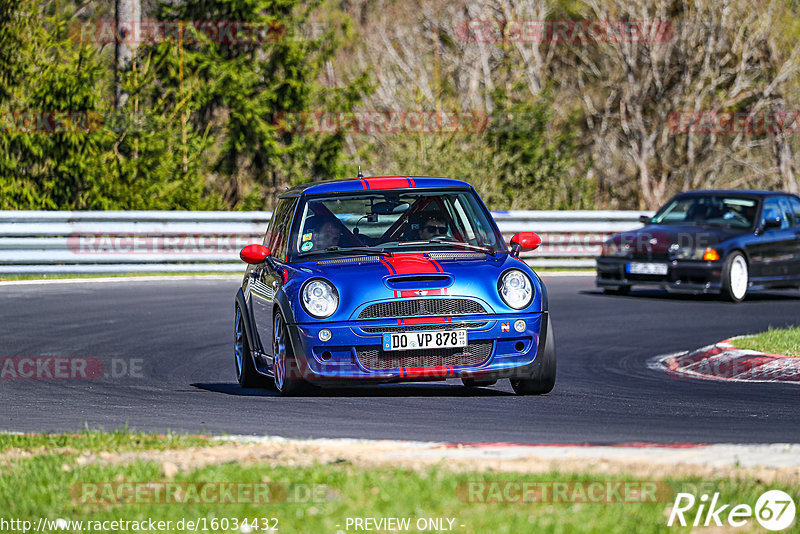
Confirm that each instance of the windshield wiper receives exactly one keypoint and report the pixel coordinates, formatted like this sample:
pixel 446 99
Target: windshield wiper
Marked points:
pixel 485 250
pixel 348 250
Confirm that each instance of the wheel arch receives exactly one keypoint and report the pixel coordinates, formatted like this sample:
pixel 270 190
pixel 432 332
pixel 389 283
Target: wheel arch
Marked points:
pixel 742 250
pixel 283 305
pixel 250 330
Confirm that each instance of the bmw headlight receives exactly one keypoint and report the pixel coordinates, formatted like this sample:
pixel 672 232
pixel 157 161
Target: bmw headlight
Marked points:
pixel 611 248
pixel 515 288
pixel 320 298
pixel 686 253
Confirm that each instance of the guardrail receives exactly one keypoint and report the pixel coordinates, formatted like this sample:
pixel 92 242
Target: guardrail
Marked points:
pixel 80 242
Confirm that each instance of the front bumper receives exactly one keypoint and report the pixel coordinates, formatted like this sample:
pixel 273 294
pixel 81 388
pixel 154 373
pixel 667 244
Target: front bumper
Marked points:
pixel 684 276
pixel 354 352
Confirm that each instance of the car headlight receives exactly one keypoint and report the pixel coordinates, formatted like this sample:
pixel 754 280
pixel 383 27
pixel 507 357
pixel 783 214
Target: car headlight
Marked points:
pixel 610 248
pixel 320 298
pixel 687 253
pixel 515 288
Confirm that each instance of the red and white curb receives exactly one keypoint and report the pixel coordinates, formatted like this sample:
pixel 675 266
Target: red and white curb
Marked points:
pixel 724 361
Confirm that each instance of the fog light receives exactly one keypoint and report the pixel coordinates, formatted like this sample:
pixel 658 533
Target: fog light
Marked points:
pixel 325 335
pixel 519 325
pixel 711 255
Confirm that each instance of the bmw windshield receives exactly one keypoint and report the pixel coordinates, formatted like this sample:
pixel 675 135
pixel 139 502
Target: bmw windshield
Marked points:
pixel 395 221
pixel 709 210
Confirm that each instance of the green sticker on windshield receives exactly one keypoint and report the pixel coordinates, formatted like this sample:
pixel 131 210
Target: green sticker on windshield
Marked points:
pixel 306 246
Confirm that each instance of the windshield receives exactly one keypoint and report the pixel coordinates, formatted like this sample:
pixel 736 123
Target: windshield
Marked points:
pixel 711 210
pixel 396 222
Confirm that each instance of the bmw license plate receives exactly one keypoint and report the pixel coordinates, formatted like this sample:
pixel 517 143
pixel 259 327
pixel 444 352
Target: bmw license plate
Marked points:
pixel 441 339
pixel 647 268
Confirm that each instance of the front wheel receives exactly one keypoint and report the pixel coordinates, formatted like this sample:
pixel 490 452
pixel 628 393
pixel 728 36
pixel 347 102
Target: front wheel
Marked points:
pixel 284 365
pixel 735 276
pixel 543 377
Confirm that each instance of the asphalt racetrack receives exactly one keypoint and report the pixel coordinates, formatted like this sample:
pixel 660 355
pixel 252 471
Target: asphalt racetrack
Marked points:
pixel 166 347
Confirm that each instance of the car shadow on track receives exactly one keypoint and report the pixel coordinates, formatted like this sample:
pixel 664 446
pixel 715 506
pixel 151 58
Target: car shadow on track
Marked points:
pixel 660 294
pixel 384 390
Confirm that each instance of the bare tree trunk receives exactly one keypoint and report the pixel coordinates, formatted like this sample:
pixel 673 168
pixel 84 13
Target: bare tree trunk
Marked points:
pixel 127 14
pixel 784 158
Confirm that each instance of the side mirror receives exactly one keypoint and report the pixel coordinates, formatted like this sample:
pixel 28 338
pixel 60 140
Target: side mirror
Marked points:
pixel 644 219
pixel 772 223
pixel 254 254
pixel 524 241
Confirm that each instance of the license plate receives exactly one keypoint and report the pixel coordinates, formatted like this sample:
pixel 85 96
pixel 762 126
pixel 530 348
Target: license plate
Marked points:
pixel 440 339
pixel 647 268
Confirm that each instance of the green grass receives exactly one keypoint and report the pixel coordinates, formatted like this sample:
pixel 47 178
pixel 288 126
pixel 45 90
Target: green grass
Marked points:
pixel 320 497
pixel 95 440
pixel 774 341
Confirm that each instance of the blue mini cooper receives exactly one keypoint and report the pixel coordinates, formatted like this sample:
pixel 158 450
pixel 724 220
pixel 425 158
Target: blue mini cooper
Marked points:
pixel 390 279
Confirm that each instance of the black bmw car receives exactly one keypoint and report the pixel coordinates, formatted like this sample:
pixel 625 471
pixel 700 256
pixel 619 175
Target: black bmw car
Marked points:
pixel 725 242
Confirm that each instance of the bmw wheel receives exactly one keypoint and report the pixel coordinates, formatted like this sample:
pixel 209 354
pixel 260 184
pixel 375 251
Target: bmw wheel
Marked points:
pixel 735 276
pixel 284 366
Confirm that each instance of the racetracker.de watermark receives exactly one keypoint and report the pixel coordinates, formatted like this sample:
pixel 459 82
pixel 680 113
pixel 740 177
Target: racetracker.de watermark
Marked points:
pixel 565 31
pixel 588 492
pixel 50 122
pixel 734 122
pixel 188 493
pixel 69 368
pixel 128 243
pixel 192 31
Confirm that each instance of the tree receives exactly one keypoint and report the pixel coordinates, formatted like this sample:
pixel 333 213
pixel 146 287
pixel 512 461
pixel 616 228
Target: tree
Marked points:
pixel 718 57
pixel 245 86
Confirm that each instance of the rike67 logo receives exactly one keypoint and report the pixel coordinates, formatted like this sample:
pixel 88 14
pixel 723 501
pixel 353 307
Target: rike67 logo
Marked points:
pixel 774 510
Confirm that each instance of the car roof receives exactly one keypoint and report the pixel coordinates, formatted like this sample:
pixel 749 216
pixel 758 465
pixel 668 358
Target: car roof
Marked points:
pixel 749 192
pixel 370 183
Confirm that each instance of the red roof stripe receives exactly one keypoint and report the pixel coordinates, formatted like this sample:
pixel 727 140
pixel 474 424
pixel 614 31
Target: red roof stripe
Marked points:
pixel 387 182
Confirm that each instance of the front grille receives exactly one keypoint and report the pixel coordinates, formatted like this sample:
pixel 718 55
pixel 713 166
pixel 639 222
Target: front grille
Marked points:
pixel 647 277
pixel 475 353
pixel 421 307
pixel 409 328
pixel 649 256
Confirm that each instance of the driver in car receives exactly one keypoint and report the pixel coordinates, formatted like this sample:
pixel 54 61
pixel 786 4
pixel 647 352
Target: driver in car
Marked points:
pixel 324 233
pixel 432 226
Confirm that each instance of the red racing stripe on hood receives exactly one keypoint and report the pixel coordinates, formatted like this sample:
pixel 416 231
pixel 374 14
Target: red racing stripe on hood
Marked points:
pixel 388 267
pixel 411 263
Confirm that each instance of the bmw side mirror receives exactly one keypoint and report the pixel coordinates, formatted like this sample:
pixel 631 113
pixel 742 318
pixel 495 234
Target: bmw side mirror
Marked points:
pixel 772 223
pixel 254 254
pixel 525 241
pixel 644 219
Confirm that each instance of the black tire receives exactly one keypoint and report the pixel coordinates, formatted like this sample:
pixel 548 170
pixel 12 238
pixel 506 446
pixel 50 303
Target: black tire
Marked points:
pixel 543 375
pixel 246 372
pixel 734 289
pixel 285 372
pixel 473 383
pixel 619 290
